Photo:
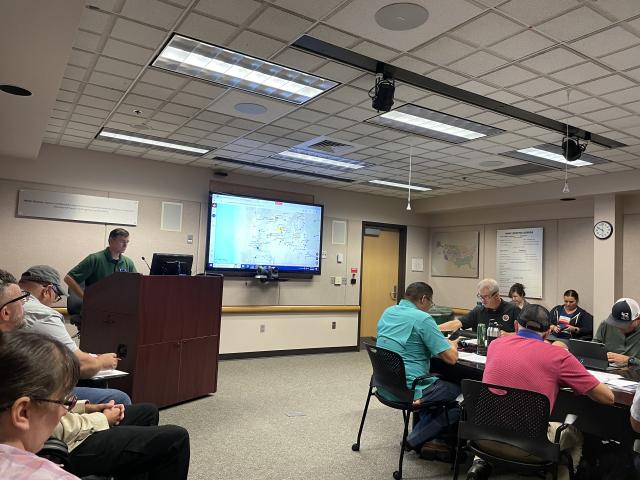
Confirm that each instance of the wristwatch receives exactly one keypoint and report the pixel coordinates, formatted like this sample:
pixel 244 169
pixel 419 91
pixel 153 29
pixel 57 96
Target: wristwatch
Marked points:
pixel 633 362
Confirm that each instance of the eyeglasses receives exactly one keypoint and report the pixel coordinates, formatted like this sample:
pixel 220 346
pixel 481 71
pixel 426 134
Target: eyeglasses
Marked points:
pixel 68 403
pixel 486 297
pixel 54 289
pixel 22 298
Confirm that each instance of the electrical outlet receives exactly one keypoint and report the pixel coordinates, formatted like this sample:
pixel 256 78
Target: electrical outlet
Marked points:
pixel 333 325
pixel 344 280
pixel 332 280
pixel 262 327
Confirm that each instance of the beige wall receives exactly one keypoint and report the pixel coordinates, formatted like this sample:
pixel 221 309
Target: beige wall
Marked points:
pixel 567 238
pixel 62 243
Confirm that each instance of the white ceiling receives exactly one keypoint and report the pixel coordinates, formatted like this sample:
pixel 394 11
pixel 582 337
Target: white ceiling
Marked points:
pixel 569 60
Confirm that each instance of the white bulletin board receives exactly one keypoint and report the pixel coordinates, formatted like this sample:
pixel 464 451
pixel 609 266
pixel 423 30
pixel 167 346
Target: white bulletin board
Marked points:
pixel 519 259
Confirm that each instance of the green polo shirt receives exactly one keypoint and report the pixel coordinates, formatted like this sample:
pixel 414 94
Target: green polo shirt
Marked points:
pixel 413 334
pixel 618 342
pixel 100 265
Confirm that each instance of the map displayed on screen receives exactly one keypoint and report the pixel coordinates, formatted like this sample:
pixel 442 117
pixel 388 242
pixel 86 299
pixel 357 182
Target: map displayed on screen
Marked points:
pixel 249 232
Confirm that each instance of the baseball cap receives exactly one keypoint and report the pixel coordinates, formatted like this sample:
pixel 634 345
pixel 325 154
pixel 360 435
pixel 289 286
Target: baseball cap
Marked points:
pixel 44 274
pixel 623 312
pixel 534 317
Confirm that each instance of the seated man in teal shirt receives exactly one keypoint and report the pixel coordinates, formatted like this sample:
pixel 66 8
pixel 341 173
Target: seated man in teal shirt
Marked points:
pixel 409 330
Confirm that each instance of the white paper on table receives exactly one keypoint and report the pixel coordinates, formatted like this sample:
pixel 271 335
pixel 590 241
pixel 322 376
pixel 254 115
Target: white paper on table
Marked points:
pixel 472 357
pixel 470 341
pixel 102 374
pixel 622 383
pixel 604 377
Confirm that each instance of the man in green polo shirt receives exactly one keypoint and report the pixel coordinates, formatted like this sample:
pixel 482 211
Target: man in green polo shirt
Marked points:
pixel 620 332
pixel 101 264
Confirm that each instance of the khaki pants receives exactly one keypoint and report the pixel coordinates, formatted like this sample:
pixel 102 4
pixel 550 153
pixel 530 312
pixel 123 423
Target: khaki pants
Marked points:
pixel 570 440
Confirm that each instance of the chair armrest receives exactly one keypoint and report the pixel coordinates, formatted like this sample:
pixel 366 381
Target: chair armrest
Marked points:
pixel 570 419
pixel 418 380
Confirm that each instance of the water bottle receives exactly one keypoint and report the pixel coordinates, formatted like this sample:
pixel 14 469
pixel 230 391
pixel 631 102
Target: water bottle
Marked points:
pixel 482 339
pixel 493 332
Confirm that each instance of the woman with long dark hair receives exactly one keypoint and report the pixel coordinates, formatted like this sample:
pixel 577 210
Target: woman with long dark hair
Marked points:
pixel 569 320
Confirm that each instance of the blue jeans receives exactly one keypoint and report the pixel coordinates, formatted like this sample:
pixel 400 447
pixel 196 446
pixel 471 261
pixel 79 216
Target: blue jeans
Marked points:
pixel 429 426
pixel 102 395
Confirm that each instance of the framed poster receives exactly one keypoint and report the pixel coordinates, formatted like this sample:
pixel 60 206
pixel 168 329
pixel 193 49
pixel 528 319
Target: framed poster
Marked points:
pixel 455 254
pixel 519 259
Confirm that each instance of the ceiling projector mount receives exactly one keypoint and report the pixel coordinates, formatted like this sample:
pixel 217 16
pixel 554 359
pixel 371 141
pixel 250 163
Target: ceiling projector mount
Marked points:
pixel 572 149
pixel 381 93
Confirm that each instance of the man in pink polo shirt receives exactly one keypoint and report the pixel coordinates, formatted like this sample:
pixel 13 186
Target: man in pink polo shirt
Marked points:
pixel 527 362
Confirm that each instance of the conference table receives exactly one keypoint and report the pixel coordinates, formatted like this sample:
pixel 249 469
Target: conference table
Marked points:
pixel 605 421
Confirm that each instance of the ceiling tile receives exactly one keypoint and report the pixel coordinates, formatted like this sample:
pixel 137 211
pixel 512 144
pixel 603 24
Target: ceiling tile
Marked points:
pixel 508 76
pixel 191 100
pixel 331 35
pixel 235 11
pixel 413 64
pixel 338 72
pixel 256 45
pixel 444 51
pixel 521 45
pixel 605 42
pixel 102 92
pixel 606 85
pixel 553 60
pixel 280 24
pixel 536 87
pixel 312 9
pixel 110 81
pixel 477 64
pixel 206 29
pixel 152 12
pixel 207 90
pixel 87 41
pixel 134 32
pixel 620 9
pixel 158 77
pixel 274 109
pixel 625 59
pixel 487 29
pixel 80 58
pixel 94 21
pixel 116 67
pixel 152 91
pixel 533 13
pixel 357 17
pixel 588 105
pixel 580 73
pixel 299 60
pixel 126 51
pixel 565 27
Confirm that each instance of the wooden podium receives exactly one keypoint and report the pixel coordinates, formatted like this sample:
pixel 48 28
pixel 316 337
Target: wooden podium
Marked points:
pixel 165 328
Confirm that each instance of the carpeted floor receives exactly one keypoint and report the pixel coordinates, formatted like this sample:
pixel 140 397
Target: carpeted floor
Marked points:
pixel 295 417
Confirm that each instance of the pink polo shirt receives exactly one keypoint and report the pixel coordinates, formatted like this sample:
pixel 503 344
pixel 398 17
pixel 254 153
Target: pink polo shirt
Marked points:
pixel 531 364
pixel 18 464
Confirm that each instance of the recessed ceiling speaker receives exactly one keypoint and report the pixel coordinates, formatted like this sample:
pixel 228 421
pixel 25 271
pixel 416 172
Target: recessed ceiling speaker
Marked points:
pixel 571 149
pixel 381 93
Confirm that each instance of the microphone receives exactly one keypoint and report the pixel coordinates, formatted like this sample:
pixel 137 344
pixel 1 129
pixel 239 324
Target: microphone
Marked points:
pixel 147 263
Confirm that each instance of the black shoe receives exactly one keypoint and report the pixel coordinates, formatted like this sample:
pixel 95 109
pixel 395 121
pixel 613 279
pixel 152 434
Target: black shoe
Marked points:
pixel 480 470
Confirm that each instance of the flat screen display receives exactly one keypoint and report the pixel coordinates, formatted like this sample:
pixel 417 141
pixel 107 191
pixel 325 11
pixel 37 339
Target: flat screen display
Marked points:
pixel 248 232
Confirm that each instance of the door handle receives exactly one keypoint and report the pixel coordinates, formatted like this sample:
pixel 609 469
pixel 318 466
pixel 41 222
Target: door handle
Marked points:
pixel 394 294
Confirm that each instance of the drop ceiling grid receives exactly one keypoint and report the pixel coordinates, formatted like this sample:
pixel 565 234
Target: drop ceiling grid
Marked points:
pixel 94 81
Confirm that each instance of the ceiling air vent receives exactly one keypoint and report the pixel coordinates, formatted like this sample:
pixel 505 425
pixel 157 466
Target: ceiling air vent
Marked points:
pixel 331 146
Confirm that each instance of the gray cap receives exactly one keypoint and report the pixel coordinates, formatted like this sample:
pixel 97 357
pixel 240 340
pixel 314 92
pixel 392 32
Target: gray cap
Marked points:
pixel 534 317
pixel 44 274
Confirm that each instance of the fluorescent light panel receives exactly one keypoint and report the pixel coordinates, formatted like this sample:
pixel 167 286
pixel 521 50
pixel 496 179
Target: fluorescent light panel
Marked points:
pixel 441 126
pixel 330 161
pixel 554 157
pixel 386 183
pixel 236 70
pixel 120 136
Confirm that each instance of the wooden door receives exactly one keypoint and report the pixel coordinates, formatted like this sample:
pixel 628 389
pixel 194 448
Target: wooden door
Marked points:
pixel 380 256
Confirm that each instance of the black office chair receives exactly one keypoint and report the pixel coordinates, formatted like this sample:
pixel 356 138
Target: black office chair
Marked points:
pixel 74 309
pixel 389 374
pixel 56 451
pixel 509 416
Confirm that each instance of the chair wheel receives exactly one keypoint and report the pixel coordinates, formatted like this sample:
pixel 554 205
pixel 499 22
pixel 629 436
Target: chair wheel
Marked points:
pixel 355 447
pixel 397 475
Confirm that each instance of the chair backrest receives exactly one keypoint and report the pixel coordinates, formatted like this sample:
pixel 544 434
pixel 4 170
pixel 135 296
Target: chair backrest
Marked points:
pixel 509 415
pixel 388 373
